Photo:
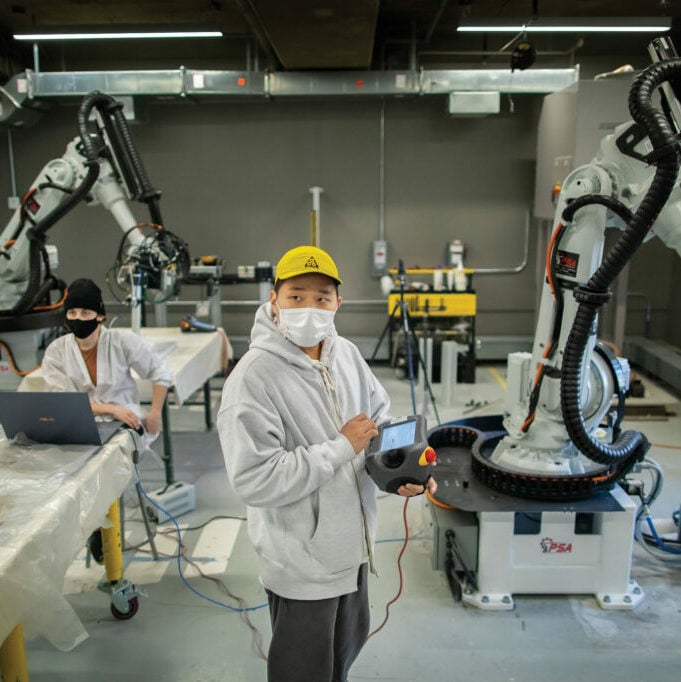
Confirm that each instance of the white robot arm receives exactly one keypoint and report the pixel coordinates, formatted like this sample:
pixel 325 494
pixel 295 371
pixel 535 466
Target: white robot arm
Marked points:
pixel 48 194
pixel 100 167
pixel 559 406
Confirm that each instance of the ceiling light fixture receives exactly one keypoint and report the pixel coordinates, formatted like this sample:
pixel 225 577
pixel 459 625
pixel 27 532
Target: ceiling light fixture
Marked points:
pixel 116 35
pixel 568 25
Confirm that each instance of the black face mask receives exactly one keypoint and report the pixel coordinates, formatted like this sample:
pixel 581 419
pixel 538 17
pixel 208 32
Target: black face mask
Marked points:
pixel 82 328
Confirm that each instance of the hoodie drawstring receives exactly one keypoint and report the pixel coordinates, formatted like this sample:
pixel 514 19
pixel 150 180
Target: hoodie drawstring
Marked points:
pixel 333 396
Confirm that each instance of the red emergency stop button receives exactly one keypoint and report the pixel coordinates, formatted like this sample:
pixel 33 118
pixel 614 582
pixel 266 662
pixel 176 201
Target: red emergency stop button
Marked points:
pixel 428 456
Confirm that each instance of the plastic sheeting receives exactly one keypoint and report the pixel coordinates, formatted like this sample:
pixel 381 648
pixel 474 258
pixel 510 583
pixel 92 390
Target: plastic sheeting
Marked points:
pixel 51 499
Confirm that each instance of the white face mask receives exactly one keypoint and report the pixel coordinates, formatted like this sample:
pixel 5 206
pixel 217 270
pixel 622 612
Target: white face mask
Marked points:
pixel 306 327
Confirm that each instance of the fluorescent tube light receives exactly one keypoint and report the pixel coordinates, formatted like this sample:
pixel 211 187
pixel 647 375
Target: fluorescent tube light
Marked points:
pixel 568 25
pixel 117 35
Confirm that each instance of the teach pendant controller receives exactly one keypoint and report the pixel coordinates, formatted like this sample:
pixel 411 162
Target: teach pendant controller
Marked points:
pixel 400 454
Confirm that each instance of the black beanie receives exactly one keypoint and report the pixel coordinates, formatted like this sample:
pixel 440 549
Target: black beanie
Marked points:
pixel 84 293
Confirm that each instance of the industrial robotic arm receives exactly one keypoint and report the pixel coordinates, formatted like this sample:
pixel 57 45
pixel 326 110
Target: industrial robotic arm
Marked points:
pixel 564 439
pixel 101 167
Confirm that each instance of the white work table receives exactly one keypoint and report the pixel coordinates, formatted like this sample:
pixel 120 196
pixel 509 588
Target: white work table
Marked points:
pixel 194 358
pixel 51 499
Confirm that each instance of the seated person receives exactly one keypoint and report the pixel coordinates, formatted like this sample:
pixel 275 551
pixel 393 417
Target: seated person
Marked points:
pixel 97 361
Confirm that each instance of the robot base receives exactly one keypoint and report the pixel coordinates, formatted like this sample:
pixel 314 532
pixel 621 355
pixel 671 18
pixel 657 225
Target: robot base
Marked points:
pixel 498 554
pixel 504 602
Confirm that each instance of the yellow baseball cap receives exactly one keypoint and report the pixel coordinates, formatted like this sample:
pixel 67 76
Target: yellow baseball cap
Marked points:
pixel 304 260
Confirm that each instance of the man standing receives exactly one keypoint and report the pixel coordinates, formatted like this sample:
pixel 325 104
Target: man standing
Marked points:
pixel 297 412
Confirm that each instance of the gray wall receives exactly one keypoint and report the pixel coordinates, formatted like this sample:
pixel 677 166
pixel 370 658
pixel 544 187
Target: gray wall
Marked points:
pixel 235 177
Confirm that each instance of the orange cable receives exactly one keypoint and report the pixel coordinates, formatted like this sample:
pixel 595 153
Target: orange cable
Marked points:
pixel 538 375
pixel 52 306
pixel 10 357
pixel 31 191
pixel 528 421
pixel 437 503
pixel 549 249
pixel 399 570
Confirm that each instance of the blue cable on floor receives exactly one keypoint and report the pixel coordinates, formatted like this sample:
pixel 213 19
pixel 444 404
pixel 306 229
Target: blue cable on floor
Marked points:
pixel 658 540
pixel 179 555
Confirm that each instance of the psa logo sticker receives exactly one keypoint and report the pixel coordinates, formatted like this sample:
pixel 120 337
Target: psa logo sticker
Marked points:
pixel 550 545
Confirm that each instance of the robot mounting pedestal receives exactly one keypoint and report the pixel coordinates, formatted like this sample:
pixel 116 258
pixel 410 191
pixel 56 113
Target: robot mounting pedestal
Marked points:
pixel 557 559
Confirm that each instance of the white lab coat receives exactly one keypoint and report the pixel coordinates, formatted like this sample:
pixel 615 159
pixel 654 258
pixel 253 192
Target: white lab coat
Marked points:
pixel 118 351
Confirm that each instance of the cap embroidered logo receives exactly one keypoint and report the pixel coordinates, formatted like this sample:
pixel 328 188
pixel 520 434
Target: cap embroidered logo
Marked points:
pixel 312 263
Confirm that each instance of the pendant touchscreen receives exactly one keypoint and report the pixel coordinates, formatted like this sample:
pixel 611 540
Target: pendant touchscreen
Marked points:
pixel 398 435
pixel 400 454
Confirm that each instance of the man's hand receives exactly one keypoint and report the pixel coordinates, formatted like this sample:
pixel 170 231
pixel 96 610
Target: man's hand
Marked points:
pixel 153 422
pixel 359 431
pixel 413 489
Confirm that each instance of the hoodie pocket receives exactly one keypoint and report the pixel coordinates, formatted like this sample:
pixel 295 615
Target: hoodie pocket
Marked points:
pixel 338 538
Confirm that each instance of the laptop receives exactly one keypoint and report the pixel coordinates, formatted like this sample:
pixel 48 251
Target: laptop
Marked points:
pixel 55 418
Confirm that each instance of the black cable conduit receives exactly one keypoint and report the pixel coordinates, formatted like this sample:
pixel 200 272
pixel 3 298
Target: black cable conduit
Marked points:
pixel 630 446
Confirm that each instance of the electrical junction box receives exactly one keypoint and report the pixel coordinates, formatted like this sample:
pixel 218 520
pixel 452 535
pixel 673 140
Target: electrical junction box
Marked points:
pixel 473 103
pixel 379 260
pixel 177 498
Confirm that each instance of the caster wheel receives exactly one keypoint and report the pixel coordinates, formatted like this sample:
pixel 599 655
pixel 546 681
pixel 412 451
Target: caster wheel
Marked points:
pixel 133 608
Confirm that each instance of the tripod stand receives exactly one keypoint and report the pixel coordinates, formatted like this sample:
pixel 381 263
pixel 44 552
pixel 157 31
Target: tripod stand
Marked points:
pixel 410 342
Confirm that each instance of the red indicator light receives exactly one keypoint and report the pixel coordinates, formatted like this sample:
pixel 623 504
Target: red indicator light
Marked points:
pixel 359 84
pixel 241 81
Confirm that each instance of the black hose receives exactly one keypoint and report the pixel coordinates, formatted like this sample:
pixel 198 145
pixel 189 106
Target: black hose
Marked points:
pixel 613 204
pixel 90 101
pixel 630 446
pixel 113 110
pixel 144 191
pixel 148 194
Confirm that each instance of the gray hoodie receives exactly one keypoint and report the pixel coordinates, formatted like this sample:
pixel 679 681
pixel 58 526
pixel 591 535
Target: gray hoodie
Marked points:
pixel 279 425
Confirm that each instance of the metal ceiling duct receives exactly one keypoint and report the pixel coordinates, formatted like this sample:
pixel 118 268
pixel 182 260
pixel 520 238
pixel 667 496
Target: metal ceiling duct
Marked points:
pixel 28 93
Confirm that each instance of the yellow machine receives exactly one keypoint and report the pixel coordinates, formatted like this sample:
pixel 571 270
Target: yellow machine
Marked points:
pixel 436 304
pixel 445 314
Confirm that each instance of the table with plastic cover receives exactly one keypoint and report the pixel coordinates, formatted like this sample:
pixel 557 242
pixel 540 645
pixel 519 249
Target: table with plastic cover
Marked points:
pixel 51 499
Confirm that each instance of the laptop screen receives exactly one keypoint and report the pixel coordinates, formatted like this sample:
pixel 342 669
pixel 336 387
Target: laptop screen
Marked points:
pixel 55 418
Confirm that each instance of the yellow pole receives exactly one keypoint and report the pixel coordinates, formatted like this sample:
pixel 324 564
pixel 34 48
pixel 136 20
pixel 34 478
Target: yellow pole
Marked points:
pixel 314 232
pixel 13 666
pixel 111 544
pixel 314 217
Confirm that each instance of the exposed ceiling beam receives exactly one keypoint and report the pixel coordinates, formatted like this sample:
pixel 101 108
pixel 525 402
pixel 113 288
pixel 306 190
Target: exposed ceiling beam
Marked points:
pixel 307 34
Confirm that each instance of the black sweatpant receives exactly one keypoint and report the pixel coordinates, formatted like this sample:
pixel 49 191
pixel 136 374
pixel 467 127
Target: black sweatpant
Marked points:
pixel 317 641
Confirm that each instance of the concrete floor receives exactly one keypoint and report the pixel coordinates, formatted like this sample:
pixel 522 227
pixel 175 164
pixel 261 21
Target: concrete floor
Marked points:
pixel 179 636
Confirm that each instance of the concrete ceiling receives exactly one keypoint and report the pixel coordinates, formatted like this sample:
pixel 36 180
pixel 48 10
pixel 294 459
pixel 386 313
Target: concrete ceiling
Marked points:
pixel 304 34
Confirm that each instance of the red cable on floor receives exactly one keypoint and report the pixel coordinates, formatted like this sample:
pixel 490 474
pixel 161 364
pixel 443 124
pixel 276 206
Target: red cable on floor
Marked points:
pixel 399 570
